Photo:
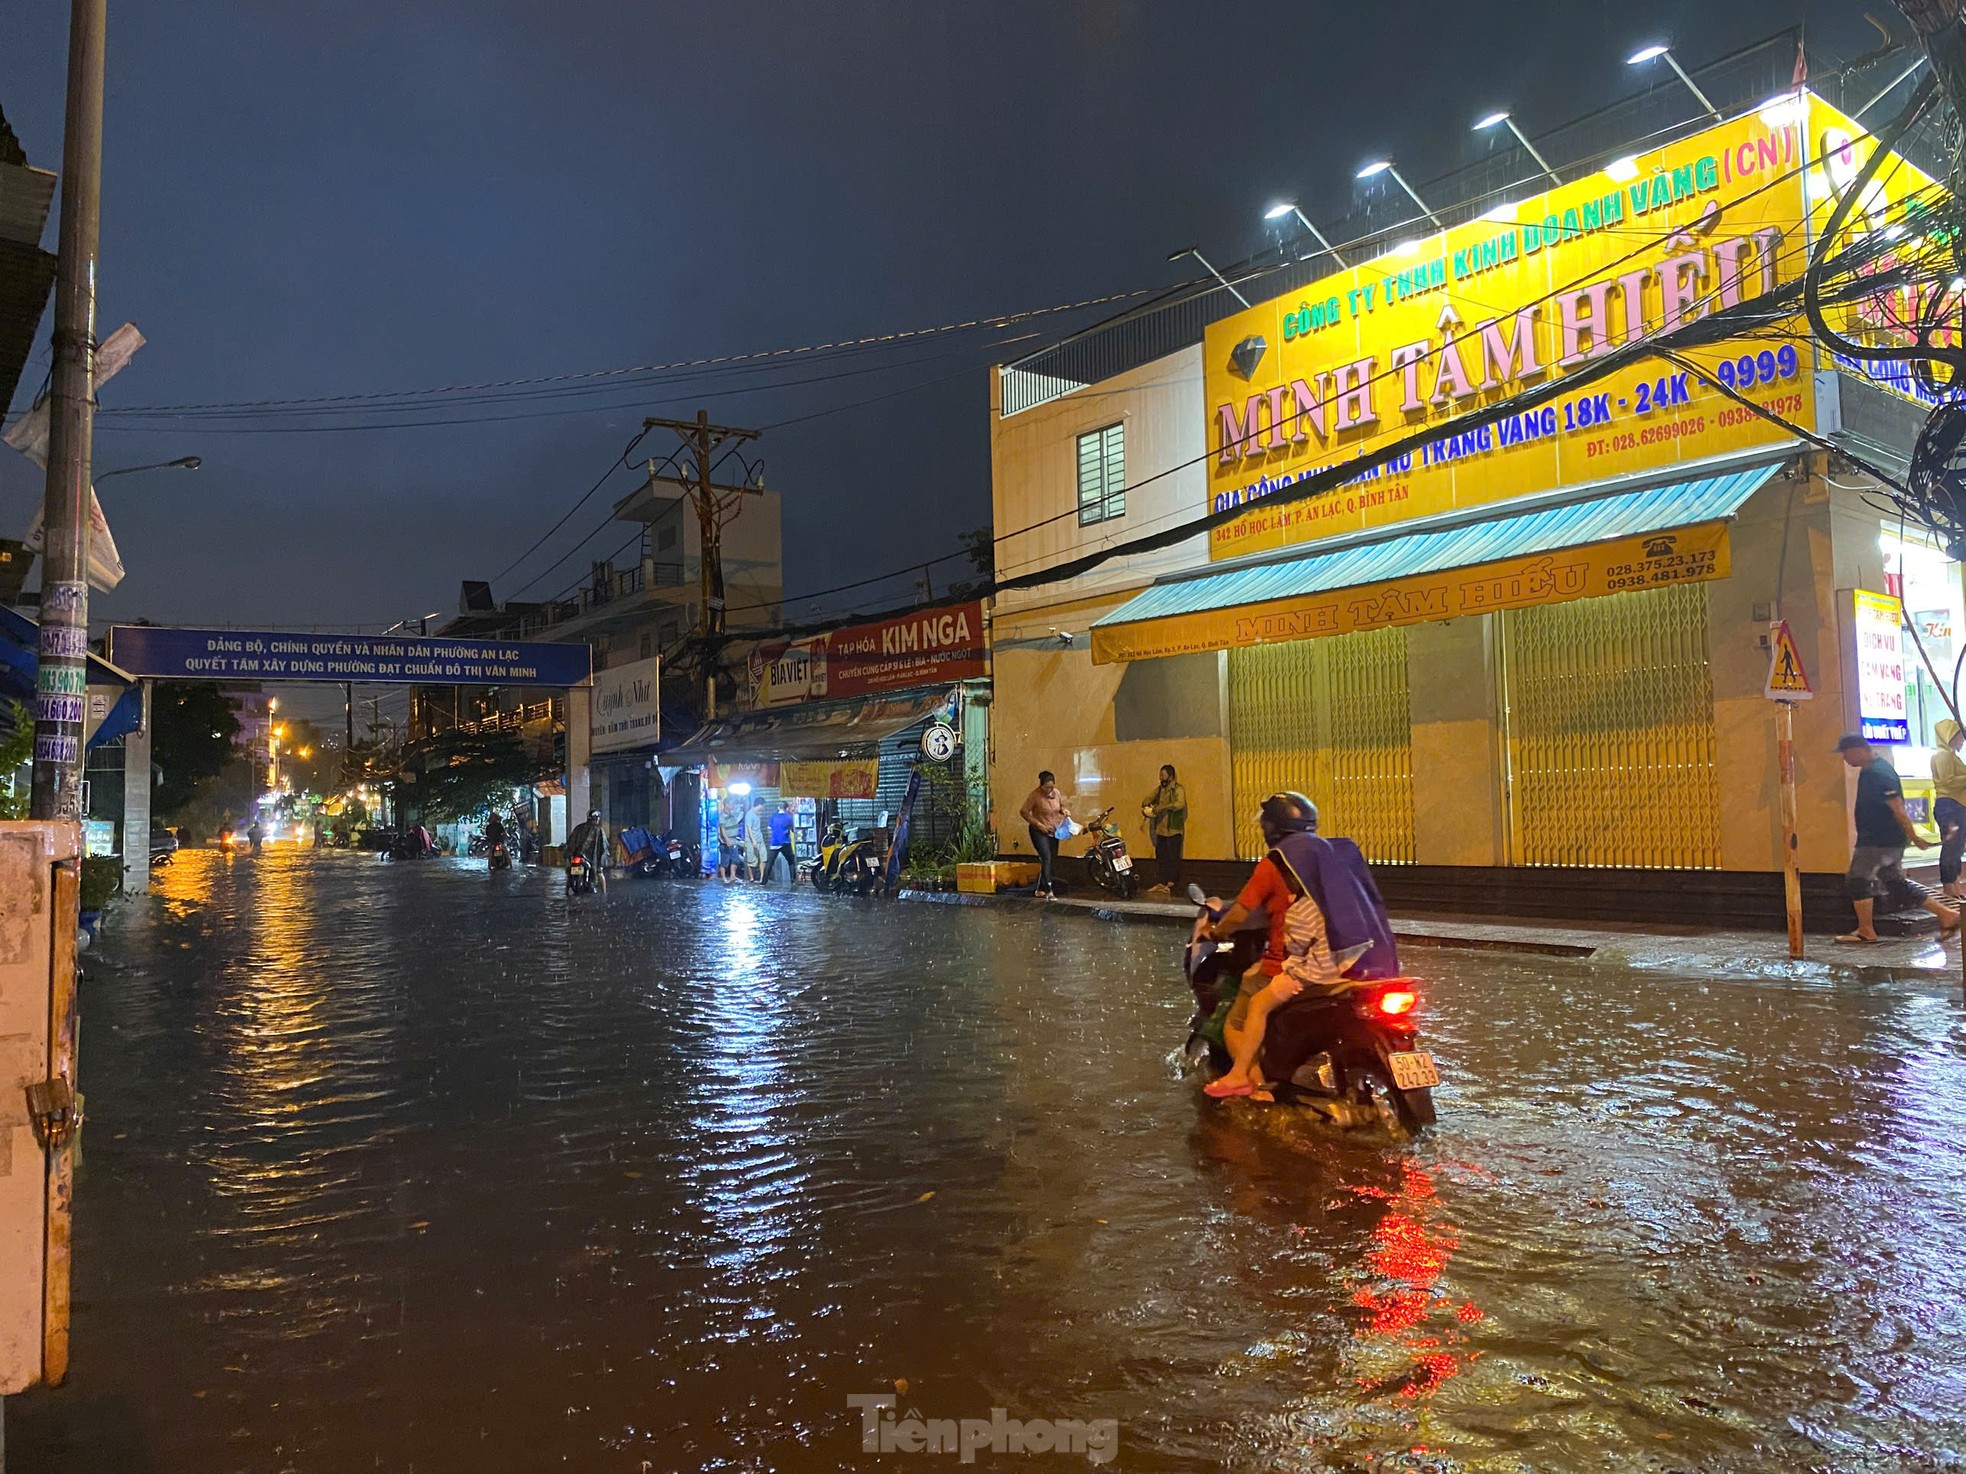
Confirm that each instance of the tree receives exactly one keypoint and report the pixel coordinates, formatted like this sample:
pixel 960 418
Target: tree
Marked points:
pixel 193 730
pixel 458 773
pixel 16 748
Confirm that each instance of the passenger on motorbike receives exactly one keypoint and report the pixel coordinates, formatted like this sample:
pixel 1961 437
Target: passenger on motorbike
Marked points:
pixel 1326 921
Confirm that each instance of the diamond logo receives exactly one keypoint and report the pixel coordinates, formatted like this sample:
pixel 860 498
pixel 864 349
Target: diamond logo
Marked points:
pixel 1244 357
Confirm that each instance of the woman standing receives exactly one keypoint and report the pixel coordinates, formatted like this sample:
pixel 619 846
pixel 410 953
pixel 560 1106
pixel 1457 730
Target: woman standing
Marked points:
pixel 1044 811
pixel 1949 808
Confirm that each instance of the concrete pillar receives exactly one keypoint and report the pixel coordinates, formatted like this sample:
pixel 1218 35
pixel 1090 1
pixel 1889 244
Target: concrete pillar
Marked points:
pixel 580 739
pixel 136 801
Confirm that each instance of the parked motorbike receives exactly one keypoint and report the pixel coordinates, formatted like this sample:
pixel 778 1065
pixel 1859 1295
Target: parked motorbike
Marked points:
pixel 1107 863
pixel 848 866
pixel 673 857
pixel 1349 1052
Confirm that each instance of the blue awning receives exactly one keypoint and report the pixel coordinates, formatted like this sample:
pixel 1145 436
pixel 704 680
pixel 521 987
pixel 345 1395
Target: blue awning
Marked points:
pixel 1406 553
pixel 20 664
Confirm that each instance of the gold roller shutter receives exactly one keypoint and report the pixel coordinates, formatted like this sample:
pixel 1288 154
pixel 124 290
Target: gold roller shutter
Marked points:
pixel 1608 716
pixel 1330 718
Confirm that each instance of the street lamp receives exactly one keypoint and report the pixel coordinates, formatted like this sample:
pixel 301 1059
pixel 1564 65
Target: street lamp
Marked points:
pixel 1289 207
pixel 1520 137
pixel 182 463
pixel 1385 166
pixel 1195 251
pixel 1653 53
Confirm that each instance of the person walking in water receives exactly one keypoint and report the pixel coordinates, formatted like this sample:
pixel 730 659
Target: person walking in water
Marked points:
pixel 1045 812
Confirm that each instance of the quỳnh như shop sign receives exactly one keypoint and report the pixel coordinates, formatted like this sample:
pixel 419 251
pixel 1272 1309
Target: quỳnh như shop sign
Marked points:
pixel 929 647
pixel 1465 318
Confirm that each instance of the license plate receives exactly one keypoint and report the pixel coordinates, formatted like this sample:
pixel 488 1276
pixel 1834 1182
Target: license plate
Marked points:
pixel 1414 1071
pixel 1122 862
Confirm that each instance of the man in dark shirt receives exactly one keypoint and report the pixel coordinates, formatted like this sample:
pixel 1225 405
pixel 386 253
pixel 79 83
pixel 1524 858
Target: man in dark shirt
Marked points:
pixel 1884 830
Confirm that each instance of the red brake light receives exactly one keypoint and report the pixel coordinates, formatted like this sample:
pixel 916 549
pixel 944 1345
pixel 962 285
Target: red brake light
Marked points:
pixel 1398 1000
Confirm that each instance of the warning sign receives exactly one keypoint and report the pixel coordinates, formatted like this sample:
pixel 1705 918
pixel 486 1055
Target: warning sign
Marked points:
pixel 1787 680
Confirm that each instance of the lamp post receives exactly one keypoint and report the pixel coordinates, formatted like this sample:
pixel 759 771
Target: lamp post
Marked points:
pixel 1385 166
pixel 182 463
pixel 1195 251
pixel 1653 53
pixel 1520 137
pixel 1289 207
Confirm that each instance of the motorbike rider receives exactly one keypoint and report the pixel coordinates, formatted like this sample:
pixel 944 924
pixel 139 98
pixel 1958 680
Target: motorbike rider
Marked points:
pixel 590 841
pixel 494 832
pixel 1307 888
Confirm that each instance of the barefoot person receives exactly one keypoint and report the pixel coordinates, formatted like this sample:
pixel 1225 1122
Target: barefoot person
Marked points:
pixel 1884 831
pixel 1949 806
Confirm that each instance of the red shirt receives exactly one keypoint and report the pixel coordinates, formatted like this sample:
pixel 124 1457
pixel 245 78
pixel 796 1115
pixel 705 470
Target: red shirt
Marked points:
pixel 1267 891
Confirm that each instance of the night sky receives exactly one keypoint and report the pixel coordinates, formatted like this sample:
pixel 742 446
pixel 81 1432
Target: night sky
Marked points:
pixel 304 201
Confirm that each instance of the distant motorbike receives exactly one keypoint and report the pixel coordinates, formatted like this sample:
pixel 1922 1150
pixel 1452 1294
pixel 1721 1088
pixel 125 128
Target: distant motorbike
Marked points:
pixel 580 876
pixel 1350 1052
pixel 498 857
pixel 1107 863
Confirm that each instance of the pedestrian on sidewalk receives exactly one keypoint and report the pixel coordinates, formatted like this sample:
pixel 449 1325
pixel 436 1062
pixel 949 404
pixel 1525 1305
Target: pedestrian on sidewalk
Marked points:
pixel 755 849
pixel 730 839
pixel 1949 805
pixel 1884 832
pixel 781 845
pixel 1166 813
pixel 1045 812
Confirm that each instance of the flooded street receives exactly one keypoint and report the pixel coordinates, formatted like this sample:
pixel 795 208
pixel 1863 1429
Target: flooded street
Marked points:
pixel 415 1168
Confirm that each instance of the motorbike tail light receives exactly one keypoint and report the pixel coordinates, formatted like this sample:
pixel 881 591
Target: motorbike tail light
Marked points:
pixel 1397 1001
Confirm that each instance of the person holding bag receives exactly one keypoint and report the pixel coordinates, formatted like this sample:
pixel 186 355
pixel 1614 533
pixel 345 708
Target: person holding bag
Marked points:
pixel 1045 812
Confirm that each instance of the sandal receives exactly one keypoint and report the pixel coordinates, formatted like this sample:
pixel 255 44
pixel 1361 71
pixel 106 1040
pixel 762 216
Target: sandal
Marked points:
pixel 1227 1089
pixel 1867 941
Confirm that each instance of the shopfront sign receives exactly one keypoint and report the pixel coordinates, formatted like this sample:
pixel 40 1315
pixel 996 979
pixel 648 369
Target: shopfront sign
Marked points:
pixel 1684 555
pixel 1464 319
pixel 929 647
pixel 282 655
pixel 848 778
pixel 628 705
pixel 1883 713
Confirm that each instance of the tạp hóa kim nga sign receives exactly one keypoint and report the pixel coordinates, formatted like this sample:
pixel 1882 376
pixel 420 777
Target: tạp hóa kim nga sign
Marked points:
pixel 1683 555
pixel 1466 318
pixel 928 647
pixel 277 655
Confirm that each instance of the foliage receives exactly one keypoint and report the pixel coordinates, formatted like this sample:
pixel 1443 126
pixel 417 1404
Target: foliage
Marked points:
pixel 16 750
pixel 457 773
pixel 102 877
pixel 193 729
pixel 215 802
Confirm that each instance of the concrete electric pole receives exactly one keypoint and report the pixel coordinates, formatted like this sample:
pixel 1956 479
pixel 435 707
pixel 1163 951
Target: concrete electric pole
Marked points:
pixel 62 687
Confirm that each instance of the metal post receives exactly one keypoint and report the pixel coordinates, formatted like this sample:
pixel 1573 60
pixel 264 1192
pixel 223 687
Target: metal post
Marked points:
pixel 1791 872
pixel 64 648
pixel 136 799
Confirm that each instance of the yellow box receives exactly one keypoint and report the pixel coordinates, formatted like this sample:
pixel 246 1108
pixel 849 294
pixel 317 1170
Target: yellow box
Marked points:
pixel 988 877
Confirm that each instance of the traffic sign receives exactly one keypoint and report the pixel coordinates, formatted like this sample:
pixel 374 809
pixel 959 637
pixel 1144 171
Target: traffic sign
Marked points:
pixel 1787 680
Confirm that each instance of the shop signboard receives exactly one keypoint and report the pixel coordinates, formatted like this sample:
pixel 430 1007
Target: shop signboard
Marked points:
pixel 1883 714
pixel 847 778
pixel 926 647
pixel 1463 319
pixel 1684 555
pixel 628 705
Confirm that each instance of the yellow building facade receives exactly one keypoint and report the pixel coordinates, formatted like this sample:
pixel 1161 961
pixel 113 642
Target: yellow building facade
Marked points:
pixel 1520 667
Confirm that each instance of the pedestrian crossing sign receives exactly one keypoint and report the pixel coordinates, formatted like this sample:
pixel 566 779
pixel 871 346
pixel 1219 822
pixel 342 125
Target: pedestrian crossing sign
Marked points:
pixel 1787 680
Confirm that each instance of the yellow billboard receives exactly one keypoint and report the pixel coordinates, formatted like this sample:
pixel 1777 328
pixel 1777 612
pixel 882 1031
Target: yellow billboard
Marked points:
pixel 1462 319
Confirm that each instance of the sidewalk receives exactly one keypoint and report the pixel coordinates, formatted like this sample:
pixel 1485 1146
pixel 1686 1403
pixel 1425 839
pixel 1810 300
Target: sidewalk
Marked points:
pixel 1714 954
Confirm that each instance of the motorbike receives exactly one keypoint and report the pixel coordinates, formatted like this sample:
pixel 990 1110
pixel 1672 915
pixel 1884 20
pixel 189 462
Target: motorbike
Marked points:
pixel 1107 863
pixel 580 876
pixel 1349 1052
pixel 673 857
pixel 848 866
pixel 498 856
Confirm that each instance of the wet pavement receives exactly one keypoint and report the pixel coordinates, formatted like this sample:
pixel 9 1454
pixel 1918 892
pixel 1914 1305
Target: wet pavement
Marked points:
pixel 415 1168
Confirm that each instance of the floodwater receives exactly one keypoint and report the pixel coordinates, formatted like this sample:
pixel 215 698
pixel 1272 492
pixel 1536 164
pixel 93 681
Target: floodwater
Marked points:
pixel 412 1168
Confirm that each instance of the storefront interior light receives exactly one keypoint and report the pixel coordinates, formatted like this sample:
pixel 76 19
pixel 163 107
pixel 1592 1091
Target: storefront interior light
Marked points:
pixel 1622 171
pixel 740 789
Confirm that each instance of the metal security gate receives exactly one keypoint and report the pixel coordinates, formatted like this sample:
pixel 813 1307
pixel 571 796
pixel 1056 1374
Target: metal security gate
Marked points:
pixel 1330 718
pixel 1607 716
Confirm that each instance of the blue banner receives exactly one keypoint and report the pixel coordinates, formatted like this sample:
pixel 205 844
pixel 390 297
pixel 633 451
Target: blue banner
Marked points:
pixel 271 655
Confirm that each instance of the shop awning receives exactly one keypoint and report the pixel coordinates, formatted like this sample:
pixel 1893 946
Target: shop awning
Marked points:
pixel 1630 540
pixel 808 732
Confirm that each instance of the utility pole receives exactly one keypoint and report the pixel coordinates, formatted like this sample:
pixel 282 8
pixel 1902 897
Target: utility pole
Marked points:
pixel 715 505
pixel 61 691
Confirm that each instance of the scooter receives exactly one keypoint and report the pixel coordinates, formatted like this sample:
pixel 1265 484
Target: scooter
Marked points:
pixel 684 861
pixel 580 876
pixel 1107 863
pixel 1349 1052
pixel 847 866
pixel 498 857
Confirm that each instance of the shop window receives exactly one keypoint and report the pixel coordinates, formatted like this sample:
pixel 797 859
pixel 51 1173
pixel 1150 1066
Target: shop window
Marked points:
pixel 1102 475
pixel 1328 718
pixel 1607 710
pixel 1927 582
